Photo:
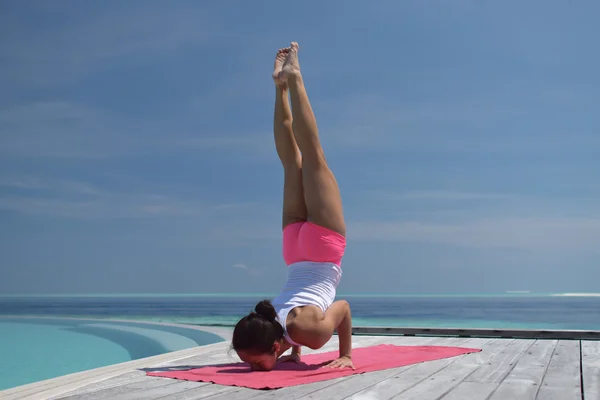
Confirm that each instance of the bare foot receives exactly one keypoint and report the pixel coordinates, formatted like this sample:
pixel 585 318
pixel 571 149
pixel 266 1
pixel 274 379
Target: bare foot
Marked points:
pixel 279 59
pixel 291 66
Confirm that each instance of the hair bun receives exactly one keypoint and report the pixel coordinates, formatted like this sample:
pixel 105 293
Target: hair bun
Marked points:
pixel 266 310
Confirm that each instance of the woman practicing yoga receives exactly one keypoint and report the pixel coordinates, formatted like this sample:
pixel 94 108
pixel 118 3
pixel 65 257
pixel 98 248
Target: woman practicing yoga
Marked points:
pixel 314 240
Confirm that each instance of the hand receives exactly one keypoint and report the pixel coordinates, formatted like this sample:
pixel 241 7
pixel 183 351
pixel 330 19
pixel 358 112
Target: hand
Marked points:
pixel 342 362
pixel 289 358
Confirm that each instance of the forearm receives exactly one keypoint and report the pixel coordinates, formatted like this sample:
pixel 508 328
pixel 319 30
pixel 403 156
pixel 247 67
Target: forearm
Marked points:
pixel 285 347
pixel 296 350
pixel 344 331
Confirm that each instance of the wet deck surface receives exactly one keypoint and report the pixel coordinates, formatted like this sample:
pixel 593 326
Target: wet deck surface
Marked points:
pixel 505 369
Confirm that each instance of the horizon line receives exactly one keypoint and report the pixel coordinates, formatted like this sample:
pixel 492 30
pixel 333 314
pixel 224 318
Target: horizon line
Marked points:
pixel 241 295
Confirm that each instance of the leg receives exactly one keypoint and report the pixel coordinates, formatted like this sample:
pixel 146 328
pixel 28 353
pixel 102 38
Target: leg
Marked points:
pixel 321 191
pixel 294 207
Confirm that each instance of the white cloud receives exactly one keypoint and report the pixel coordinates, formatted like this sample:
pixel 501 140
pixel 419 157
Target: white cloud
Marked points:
pixel 542 234
pixel 107 206
pixel 64 129
pixel 242 232
pixel 29 182
pixel 254 143
pixel 436 195
pixel 70 130
pixel 78 46
pixel 383 122
pixel 82 200
pixel 246 269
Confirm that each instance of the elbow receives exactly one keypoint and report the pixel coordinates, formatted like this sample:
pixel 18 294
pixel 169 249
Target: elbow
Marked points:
pixel 346 310
pixel 317 343
pixel 319 339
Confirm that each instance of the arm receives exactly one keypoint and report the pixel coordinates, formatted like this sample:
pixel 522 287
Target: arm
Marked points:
pixel 344 330
pixel 315 334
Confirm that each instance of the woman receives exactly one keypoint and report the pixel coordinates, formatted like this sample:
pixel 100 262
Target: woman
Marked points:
pixel 314 240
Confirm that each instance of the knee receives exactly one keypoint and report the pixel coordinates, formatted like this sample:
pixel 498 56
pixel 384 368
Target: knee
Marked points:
pixel 315 160
pixel 293 167
pixel 288 123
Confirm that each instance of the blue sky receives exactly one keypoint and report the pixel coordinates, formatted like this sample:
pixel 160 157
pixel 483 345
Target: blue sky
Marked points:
pixel 136 151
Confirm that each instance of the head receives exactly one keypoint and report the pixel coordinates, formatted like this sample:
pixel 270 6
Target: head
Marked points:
pixel 258 337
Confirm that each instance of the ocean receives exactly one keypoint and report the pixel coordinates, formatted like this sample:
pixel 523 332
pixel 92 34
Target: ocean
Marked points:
pixel 522 311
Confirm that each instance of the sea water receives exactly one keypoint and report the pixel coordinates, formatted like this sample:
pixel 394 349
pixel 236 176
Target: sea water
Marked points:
pixel 523 311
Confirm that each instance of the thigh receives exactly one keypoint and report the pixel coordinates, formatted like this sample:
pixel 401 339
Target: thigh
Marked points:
pixel 322 197
pixel 294 207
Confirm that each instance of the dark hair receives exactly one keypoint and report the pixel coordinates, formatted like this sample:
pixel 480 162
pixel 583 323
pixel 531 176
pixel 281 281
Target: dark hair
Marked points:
pixel 257 331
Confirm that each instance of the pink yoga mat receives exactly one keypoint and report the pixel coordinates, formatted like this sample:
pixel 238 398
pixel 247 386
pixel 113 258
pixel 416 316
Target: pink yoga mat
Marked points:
pixel 366 359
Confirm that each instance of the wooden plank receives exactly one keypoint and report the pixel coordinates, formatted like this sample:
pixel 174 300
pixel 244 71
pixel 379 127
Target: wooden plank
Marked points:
pixel 194 361
pixel 480 332
pixel 200 393
pixel 120 391
pixel 502 363
pixel 525 378
pixel 131 377
pixel 486 380
pixel 590 365
pixel 161 391
pixel 146 392
pixel 409 377
pixel 444 380
pixel 125 379
pixel 562 380
pixel 473 391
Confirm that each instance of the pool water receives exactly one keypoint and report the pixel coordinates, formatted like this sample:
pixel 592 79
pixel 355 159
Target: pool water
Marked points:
pixel 35 349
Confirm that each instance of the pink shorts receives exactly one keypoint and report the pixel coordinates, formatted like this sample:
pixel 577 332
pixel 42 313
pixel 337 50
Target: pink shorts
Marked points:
pixel 305 241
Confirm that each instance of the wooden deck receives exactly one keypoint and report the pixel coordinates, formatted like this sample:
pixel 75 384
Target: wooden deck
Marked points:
pixel 506 369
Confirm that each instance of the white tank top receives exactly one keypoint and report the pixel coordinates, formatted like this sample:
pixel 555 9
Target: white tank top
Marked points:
pixel 308 283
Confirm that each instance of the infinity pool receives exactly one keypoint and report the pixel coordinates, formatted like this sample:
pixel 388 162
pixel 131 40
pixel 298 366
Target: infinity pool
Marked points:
pixel 33 349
